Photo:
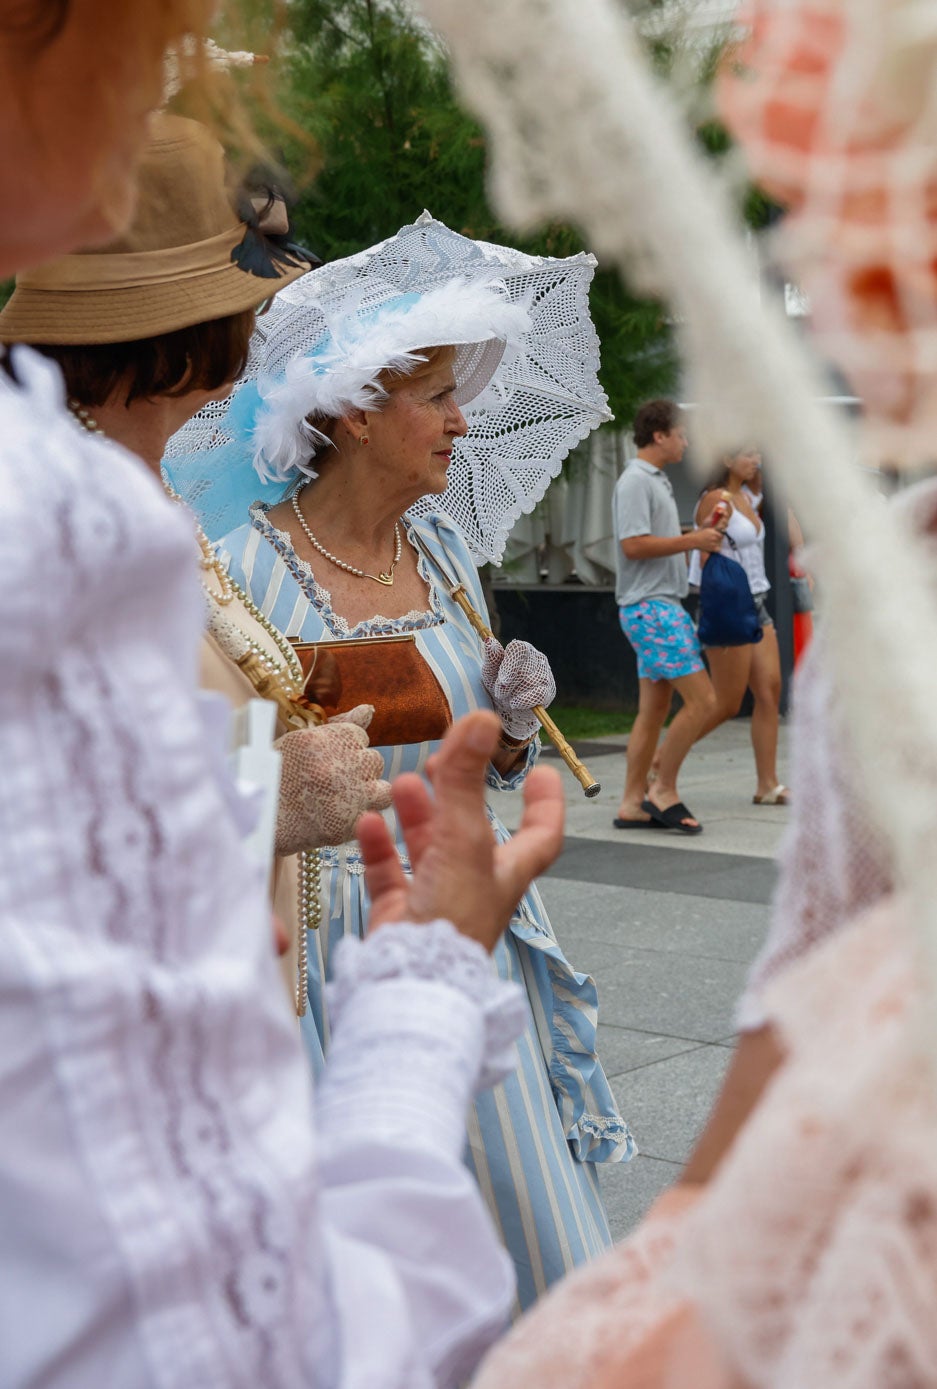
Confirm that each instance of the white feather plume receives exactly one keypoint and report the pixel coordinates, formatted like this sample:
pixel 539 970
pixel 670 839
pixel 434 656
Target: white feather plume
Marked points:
pixel 341 374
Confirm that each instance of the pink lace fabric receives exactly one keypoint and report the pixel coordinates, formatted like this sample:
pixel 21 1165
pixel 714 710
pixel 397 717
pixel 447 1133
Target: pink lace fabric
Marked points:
pixel 834 862
pixel 810 1261
pixel 813 1257
pixel 830 102
pixel 603 1326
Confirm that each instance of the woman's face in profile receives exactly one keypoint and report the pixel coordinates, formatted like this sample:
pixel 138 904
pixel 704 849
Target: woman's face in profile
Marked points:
pixel 414 432
pixel 74 102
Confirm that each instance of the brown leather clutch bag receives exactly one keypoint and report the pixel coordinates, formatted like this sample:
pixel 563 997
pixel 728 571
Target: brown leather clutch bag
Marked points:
pixel 388 672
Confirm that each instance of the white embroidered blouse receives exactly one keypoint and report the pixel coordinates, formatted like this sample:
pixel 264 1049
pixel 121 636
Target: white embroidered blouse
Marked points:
pixel 177 1207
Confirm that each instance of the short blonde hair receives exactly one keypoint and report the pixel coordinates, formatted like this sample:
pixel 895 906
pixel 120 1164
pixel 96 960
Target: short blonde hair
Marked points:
pixel 435 358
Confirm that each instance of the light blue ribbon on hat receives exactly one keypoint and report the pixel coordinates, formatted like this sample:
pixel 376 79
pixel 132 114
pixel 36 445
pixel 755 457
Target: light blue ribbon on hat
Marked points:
pixel 221 484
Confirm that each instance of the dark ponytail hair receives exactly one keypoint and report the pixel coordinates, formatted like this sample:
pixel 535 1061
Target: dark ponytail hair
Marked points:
pixel 716 480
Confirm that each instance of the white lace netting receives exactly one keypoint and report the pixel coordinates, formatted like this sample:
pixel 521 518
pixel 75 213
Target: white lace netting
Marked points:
pixel 329 777
pixel 518 678
pixel 440 953
pixel 543 399
pixel 834 860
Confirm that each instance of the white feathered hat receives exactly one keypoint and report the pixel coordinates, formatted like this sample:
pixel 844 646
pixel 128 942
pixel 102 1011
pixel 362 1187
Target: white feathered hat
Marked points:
pixel 325 358
pixel 526 366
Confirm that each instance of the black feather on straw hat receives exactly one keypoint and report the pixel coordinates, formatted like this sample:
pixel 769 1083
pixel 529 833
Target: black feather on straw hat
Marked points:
pixel 201 261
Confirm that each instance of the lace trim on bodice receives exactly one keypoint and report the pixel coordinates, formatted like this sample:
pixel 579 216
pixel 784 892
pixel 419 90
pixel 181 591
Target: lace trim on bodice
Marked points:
pixel 321 598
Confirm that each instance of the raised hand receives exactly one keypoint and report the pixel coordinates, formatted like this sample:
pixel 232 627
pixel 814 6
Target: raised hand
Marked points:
pixel 707 539
pixel 459 871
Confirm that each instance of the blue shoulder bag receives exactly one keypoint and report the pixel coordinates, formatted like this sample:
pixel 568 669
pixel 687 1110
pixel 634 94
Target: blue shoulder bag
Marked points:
pixel 727 615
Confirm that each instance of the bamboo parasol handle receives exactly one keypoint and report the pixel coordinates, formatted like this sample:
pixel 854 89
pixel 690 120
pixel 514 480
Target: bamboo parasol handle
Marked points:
pixel 579 770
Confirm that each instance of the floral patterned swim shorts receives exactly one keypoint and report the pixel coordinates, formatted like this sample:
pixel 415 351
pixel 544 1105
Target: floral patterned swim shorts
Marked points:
pixel 663 638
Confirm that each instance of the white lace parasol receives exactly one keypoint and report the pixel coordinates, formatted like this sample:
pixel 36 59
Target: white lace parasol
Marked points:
pixel 542 398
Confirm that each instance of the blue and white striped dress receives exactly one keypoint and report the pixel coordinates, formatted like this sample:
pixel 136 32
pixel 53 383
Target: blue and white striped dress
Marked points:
pixel 533 1142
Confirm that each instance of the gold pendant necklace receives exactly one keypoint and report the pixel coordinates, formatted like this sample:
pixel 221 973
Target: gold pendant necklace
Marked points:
pixel 385 577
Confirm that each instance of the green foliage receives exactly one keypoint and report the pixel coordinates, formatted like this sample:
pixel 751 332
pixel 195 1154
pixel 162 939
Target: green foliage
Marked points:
pixel 372 91
pixel 638 357
pixel 581 724
pixel 372 86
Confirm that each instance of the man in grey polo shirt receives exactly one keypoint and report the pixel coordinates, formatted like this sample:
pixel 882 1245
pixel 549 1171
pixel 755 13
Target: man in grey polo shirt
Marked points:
pixel 651 580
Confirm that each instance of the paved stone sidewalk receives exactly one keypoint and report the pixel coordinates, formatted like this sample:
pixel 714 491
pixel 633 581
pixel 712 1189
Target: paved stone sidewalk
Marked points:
pixel 667 924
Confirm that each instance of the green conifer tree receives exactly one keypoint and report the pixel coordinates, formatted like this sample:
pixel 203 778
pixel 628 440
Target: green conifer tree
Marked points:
pixel 371 85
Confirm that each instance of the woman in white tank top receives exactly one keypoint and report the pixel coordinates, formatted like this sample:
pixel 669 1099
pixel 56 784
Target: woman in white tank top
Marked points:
pixel 757 667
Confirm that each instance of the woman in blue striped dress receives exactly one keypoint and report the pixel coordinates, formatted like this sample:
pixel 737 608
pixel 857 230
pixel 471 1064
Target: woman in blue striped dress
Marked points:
pixel 341 560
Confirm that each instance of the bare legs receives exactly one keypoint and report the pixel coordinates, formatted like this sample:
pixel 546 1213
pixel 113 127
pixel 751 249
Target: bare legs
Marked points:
pixel 765 682
pixel 733 670
pixel 695 718
pixel 730 671
pixel 654 699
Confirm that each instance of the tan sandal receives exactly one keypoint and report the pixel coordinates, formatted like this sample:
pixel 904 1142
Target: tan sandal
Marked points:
pixel 779 796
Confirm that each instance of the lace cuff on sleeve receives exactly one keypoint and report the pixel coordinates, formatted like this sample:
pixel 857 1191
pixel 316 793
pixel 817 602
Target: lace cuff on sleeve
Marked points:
pixel 420 1023
pixel 513 779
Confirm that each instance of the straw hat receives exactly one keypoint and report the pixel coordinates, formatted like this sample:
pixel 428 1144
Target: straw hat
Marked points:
pixel 176 266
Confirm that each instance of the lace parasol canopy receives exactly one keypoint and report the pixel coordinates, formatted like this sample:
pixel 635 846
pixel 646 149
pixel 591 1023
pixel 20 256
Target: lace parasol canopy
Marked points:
pixel 524 413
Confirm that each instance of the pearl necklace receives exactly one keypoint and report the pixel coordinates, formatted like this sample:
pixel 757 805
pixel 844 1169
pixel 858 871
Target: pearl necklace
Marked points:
pixel 209 560
pixel 290 675
pixel 309 884
pixel 385 577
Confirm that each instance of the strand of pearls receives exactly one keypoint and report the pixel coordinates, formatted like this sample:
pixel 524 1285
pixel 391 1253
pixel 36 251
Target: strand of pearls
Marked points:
pixel 310 866
pixel 310 919
pixel 309 885
pixel 309 895
pixel 84 417
pixel 209 561
pixel 384 577
pixel 290 669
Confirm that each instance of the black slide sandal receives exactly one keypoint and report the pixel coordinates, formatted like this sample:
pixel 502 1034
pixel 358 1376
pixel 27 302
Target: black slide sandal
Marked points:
pixel 673 817
pixel 651 824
